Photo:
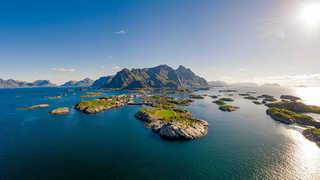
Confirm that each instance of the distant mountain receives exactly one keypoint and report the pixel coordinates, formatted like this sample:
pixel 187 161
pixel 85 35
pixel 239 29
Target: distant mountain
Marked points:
pixel 10 83
pixel 271 85
pixel 217 84
pixel 245 84
pixel 162 76
pixel 82 83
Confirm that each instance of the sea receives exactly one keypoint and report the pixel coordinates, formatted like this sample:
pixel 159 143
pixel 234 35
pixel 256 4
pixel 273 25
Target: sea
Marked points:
pixel 245 144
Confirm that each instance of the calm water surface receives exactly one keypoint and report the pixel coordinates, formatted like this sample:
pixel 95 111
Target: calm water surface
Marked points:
pixel 245 144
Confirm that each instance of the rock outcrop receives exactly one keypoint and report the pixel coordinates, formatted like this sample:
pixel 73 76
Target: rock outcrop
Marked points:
pixel 59 111
pixel 176 126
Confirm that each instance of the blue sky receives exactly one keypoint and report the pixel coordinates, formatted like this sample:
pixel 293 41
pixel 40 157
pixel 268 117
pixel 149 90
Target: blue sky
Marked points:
pixel 231 40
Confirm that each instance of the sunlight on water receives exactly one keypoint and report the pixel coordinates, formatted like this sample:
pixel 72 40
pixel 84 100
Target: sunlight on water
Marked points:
pixel 306 155
pixel 310 95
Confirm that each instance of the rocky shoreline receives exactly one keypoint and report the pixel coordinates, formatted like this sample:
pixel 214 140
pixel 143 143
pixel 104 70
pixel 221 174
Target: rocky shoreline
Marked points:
pixel 182 127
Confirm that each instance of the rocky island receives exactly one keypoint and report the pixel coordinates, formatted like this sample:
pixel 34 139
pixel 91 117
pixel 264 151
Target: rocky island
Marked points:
pixel 228 108
pixel 313 134
pixel 173 124
pixel 60 111
pixel 38 106
pixel 103 103
pixel 297 107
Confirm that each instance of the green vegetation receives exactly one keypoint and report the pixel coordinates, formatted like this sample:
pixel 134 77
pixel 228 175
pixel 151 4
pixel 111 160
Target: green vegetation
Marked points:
pixel 297 107
pixel 93 104
pixel 244 94
pixel 92 94
pixel 196 96
pixel 314 131
pixel 176 115
pixel 183 102
pixel 226 99
pixel 228 108
pixel 219 102
pixel 287 114
pixel 213 97
pixel 176 91
pixel 250 98
pixel 313 134
pixel 257 102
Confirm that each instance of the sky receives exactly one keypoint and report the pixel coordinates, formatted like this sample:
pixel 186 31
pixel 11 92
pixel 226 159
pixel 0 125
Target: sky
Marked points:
pixel 262 41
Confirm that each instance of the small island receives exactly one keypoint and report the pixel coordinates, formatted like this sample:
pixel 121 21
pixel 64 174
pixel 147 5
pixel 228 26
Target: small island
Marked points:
pixel 290 117
pixel 195 96
pixel 38 106
pixel 173 124
pixel 226 99
pixel 60 111
pixel 219 102
pixel 313 134
pixel 250 98
pixel 289 97
pixel 92 94
pixel 103 103
pixel 297 107
pixel 228 108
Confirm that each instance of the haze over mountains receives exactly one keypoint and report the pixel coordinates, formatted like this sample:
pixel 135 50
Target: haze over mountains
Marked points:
pixel 10 83
pixel 82 83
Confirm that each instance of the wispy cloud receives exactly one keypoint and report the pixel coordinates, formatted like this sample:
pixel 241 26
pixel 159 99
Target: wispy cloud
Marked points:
pixel 121 32
pixel 293 79
pixel 116 68
pixel 63 70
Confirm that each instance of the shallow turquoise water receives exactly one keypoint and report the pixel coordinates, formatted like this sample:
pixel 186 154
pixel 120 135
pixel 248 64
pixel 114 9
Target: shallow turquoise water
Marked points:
pixel 245 144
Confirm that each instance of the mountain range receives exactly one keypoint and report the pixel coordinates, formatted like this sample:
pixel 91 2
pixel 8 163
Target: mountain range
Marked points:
pixel 10 83
pixel 87 82
pixel 162 76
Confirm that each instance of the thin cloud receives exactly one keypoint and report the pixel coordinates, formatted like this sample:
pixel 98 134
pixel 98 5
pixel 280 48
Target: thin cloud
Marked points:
pixel 63 70
pixel 121 32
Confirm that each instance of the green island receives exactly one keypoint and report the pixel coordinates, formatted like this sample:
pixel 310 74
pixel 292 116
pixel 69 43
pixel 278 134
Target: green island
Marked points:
pixel 256 102
pixel 290 117
pixel 313 134
pixel 228 108
pixel 244 94
pixel 173 123
pixel 92 94
pixel 250 98
pixel 178 91
pixel 103 103
pixel 219 102
pixel 213 96
pixel 226 99
pixel 297 107
pixel 195 96
pixel 290 97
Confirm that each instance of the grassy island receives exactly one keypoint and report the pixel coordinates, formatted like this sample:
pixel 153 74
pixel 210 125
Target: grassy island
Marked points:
pixel 219 102
pixel 178 91
pixel 213 96
pixel 251 98
pixel 228 108
pixel 297 107
pixel 313 134
pixel 103 103
pixel 92 94
pixel 226 99
pixel 195 96
pixel 290 117
pixel 173 123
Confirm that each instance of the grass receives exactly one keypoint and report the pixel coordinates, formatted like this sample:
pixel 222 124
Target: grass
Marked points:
pixel 226 99
pixel 92 94
pixel 219 102
pixel 195 96
pixel 228 108
pixel 95 103
pixel 185 102
pixel 314 131
pixel 176 115
pixel 250 98
pixel 288 114
pixel 297 107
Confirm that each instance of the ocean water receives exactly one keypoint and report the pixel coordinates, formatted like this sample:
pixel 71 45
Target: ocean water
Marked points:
pixel 246 144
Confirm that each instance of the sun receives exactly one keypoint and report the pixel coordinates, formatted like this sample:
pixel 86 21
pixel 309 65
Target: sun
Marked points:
pixel 310 15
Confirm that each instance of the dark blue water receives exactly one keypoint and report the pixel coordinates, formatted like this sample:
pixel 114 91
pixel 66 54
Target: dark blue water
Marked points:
pixel 245 144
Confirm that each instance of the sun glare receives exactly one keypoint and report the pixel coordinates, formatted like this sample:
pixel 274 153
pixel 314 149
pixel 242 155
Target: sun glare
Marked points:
pixel 310 15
